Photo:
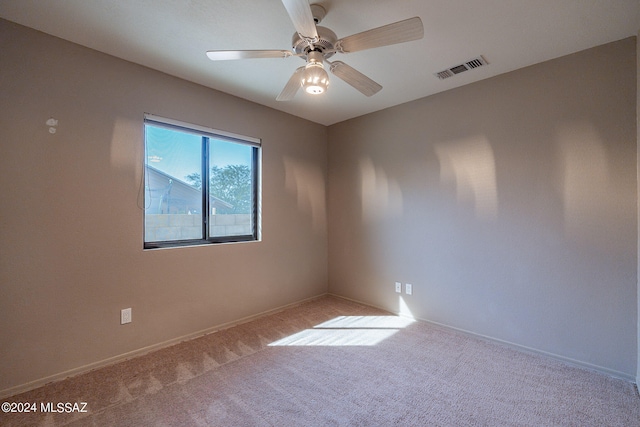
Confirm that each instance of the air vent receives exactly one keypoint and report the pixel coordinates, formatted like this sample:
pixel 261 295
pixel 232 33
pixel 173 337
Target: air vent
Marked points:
pixel 457 69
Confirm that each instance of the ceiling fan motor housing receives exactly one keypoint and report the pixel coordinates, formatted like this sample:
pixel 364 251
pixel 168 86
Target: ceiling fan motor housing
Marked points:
pixel 318 12
pixel 325 44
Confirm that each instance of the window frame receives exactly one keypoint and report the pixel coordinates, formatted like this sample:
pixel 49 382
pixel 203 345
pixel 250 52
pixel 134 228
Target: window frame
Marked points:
pixel 207 134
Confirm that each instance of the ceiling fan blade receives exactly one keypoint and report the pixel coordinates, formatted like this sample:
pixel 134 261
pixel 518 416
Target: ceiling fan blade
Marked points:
pixel 355 78
pixel 300 13
pixel 398 32
pixel 292 86
pixel 223 55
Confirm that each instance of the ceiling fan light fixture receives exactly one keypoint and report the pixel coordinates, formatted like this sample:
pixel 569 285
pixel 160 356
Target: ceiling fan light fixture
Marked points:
pixel 315 79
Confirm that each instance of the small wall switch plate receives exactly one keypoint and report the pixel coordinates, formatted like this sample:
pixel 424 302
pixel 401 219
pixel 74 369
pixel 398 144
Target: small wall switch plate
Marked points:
pixel 399 287
pixel 408 289
pixel 125 316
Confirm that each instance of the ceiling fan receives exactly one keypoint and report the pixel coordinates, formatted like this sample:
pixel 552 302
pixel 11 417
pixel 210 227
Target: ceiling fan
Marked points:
pixel 317 44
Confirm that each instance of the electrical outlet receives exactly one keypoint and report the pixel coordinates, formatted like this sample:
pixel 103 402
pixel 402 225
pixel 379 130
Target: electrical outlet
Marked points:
pixel 408 289
pixel 125 316
pixel 399 287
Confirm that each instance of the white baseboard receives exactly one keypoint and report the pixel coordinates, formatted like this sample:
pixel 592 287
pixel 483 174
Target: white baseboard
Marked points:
pixel 142 351
pixel 564 359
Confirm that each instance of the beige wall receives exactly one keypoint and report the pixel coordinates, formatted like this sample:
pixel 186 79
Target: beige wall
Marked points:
pixel 509 204
pixel 71 223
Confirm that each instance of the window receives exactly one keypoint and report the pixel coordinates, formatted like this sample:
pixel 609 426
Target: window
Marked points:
pixel 201 185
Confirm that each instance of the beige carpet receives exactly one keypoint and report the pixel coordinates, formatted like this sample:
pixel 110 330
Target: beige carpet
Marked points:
pixel 331 362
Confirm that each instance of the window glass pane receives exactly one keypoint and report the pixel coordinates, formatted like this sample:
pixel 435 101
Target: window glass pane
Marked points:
pixel 231 188
pixel 200 186
pixel 173 188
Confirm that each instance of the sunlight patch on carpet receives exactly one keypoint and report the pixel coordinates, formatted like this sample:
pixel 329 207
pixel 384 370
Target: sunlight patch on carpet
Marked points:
pixel 347 331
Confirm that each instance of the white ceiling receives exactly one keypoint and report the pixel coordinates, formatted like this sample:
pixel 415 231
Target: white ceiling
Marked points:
pixel 173 35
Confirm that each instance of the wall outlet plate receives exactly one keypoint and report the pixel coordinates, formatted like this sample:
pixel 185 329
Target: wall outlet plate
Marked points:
pixel 399 287
pixel 408 289
pixel 125 316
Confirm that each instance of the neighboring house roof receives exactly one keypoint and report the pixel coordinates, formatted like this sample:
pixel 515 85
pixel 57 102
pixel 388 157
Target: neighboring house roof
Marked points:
pixel 162 187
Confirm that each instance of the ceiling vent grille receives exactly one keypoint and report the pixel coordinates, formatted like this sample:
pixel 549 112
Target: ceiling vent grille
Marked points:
pixel 469 65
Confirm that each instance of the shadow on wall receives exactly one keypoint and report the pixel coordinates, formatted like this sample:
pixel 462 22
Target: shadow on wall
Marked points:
pixel 587 191
pixel 585 185
pixel 469 164
pixel 127 139
pixel 381 195
pixel 307 183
